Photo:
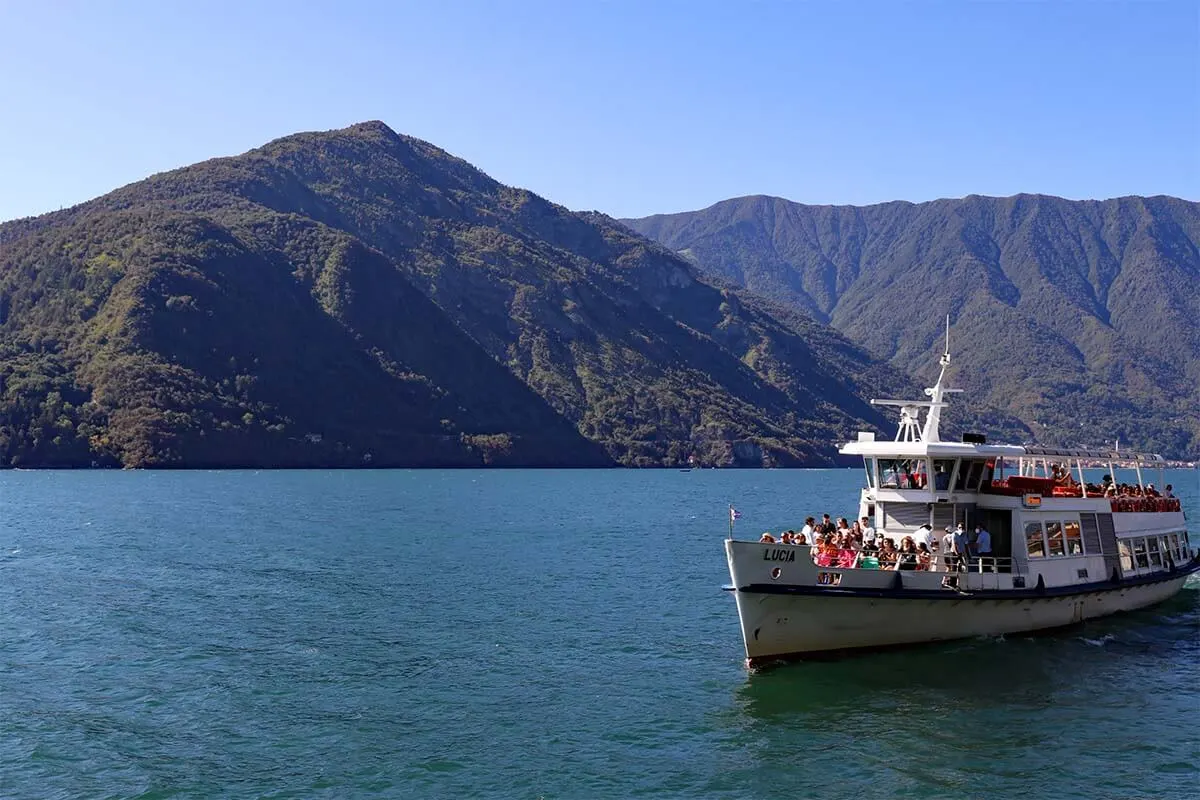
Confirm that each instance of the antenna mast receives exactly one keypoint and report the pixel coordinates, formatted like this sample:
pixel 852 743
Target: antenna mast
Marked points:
pixel 934 416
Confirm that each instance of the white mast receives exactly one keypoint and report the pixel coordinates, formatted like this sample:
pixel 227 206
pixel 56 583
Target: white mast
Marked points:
pixel 910 409
pixel 934 416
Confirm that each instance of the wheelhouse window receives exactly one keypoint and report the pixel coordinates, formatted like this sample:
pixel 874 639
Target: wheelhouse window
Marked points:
pixel 960 480
pixel 1034 544
pixel 989 471
pixel 943 468
pixel 1073 537
pixel 901 473
pixel 1139 553
pixel 970 475
pixel 1054 539
pixel 1155 555
pixel 869 465
pixel 975 476
pixel 1126 555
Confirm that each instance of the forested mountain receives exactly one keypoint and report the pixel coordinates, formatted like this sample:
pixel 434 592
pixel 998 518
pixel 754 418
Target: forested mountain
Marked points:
pixel 361 297
pixel 1082 318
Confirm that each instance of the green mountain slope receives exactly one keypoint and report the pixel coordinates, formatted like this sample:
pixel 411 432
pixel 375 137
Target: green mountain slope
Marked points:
pixel 360 297
pixel 1082 318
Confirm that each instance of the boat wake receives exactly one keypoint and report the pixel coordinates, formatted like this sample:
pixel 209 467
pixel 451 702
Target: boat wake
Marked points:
pixel 1103 640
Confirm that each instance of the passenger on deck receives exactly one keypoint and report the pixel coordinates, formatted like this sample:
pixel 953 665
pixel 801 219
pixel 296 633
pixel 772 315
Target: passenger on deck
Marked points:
pixel 809 530
pixel 924 557
pixel 887 555
pixel 800 539
pixel 767 538
pixel 827 553
pixel 1169 492
pixel 948 554
pixel 847 555
pixel 827 525
pixel 868 532
pixel 962 550
pixel 983 548
pixel 843 527
pixel 906 558
pixel 786 538
pixel 924 535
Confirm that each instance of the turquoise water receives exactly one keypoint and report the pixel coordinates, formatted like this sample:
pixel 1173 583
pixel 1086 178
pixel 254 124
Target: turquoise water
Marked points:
pixel 557 634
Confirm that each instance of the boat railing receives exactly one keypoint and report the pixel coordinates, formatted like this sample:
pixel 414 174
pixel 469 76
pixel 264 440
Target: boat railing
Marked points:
pixel 1126 504
pixel 987 564
pixel 948 564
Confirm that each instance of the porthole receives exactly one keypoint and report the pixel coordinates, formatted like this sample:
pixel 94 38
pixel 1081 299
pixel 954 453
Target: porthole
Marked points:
pixel 775 573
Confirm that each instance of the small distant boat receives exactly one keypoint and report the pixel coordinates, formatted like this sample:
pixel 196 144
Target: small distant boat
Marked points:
pixel 1061 552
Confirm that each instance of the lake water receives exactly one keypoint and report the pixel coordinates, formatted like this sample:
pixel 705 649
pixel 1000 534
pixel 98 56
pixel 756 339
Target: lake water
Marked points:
pixel 557 634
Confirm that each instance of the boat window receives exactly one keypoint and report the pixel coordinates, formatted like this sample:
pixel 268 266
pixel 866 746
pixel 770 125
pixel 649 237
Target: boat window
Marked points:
pixel 989 472
pixel 917 476
pixel 974 476
pixel 901 473
pixel 1165 543
pixel 1126 555
pixel 960 480
pixel 1175 546
pixel 869 465
pixel 1139 553
pixel 1155 555
pixel 1073 537
pixel 943 468
pixel 1054 539
pixel 1033 540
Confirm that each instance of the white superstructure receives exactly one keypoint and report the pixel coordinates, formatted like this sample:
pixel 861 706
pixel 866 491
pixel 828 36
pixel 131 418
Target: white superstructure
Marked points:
pixel 1061 550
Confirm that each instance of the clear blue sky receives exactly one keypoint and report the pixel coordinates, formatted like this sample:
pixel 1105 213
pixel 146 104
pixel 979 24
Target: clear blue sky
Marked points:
pixel 631 108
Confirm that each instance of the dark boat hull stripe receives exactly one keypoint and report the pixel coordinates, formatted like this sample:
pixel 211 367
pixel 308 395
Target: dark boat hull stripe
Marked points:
pixel 972 594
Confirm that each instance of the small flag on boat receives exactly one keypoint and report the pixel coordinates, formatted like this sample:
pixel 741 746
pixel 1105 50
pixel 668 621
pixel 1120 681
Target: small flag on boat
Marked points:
pixel 734 514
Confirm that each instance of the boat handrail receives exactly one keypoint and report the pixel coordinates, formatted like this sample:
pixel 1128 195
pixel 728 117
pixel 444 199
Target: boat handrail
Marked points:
pixel 937 563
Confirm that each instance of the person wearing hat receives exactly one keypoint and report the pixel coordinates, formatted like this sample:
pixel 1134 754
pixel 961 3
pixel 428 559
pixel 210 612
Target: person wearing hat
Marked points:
pixel 925 534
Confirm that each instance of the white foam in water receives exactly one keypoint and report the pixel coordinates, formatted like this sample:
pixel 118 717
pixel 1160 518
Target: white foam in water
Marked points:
pixel 1103 640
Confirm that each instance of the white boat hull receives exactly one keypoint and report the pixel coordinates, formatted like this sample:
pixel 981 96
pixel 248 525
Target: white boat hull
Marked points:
pixel 780 625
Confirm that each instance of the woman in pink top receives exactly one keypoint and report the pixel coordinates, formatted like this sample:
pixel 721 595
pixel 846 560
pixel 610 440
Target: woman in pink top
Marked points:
pixel 828 552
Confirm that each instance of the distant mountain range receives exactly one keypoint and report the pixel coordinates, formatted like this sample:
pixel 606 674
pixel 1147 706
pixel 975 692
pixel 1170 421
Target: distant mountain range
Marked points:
pixel 358 297
pixel 1081 318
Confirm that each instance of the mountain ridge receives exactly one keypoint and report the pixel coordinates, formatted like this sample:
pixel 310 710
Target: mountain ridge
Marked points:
pixel 1071 310
pixel 360 297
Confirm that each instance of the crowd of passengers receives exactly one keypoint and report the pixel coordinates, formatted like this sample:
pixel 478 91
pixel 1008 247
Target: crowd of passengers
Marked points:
pixel 1110 488
pixel 847 546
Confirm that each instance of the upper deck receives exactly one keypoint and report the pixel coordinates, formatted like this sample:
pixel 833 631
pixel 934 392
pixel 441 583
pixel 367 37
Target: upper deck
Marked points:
pixel 917 466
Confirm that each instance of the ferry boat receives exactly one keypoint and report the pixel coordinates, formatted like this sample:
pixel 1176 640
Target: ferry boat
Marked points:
pixel 1062 551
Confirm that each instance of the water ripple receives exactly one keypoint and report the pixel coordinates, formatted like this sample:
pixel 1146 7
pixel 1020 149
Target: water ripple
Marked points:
pixel 516 634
